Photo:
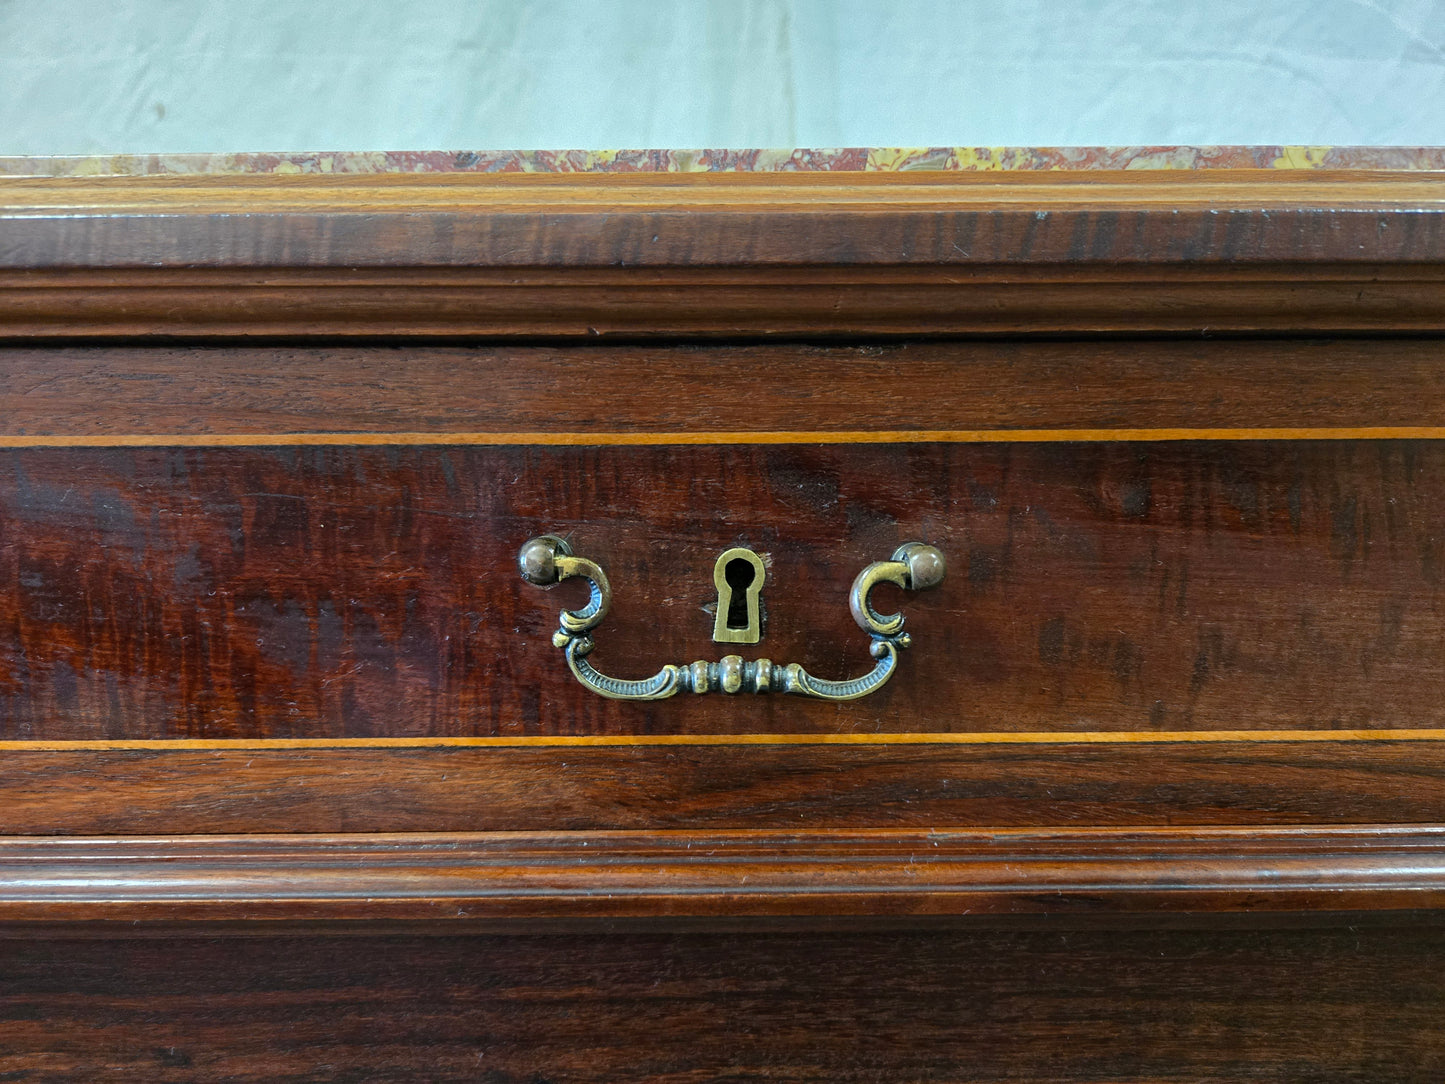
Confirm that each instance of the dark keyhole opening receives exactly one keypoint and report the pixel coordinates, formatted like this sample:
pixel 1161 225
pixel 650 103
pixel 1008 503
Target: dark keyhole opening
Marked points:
pixel 739 575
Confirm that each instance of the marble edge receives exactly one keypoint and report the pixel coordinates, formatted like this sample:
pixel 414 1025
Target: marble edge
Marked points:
pixel 847 159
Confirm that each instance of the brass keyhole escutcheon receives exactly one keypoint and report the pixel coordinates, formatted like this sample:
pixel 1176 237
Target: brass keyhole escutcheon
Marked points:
pixel 738 576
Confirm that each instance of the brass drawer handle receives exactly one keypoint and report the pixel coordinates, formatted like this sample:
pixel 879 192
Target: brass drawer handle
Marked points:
pixel 548 560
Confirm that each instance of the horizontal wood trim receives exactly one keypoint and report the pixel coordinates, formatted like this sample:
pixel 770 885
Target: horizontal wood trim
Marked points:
pixel 910 391
pixel 720 254
pixel 615 193
pixel 583 741
pixel 815 436
pixel 720 219
pixel 745 302
pixel 938 872
pixel 179 791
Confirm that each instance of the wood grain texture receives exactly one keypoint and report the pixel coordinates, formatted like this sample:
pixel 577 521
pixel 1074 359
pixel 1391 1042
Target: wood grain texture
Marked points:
pixel 814 302
pixel 709 787
pixel 165 392
pixel 720 254
pixel 736 874
pixel 372 592
pixel 1044 1006
pixel 1113 591
pixel 721 219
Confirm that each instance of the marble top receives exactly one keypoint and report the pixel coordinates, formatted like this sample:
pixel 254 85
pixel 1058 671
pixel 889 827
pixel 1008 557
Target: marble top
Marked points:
pixel 887 159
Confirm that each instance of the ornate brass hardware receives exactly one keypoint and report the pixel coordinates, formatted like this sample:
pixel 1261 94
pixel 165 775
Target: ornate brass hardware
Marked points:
pixel 548 560
pixel 738 577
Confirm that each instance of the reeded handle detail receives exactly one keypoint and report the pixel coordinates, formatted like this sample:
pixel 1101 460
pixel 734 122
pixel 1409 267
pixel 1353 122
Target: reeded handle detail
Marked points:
pixel 548 560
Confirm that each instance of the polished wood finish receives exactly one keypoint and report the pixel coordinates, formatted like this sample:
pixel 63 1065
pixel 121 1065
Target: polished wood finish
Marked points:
pixel 1158 792
pixel 739 392
pixel 817 303
pixel 721 219
pixel 1058 1004
pixel 1233 781
pixel 372 592
pixel 702 873
pixel 721 254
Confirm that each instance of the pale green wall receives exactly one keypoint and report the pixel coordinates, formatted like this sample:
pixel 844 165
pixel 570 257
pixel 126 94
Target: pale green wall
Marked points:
pixel 86 76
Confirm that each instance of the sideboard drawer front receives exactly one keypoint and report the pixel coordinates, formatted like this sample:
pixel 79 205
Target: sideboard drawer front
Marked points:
pixel 371 591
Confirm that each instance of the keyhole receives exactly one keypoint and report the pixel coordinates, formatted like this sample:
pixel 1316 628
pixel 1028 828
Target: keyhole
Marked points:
pixel 739 575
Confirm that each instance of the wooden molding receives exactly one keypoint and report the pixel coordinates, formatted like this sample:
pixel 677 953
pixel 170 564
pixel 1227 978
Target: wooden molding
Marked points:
pixel 722 873
pixel 722 254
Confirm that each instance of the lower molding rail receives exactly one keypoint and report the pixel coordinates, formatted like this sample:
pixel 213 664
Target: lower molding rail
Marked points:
pixel 883 873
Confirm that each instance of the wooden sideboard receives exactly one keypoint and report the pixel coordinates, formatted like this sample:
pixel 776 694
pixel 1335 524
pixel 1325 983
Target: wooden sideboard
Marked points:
pixel 297 785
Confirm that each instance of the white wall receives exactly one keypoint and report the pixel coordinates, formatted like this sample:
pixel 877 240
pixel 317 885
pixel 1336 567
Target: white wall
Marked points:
pixel 116 76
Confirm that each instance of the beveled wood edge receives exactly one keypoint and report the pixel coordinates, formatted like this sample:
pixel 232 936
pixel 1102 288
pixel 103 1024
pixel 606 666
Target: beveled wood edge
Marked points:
pixel 721 254
pixel 548 876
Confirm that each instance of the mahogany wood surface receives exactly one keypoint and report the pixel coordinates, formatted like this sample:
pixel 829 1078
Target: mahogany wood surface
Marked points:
pixel 1050 1005
pixel 267 671
pixel 721 254
pixel 590 393
pixel 1238 780
pixel 320 592
pixel 827 302
pixel 736 874
pixel 722 219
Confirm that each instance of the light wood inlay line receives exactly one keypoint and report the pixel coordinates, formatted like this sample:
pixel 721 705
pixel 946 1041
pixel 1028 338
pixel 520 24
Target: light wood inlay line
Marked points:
pixel 880 436
pixel 1086 737
pixel 804 192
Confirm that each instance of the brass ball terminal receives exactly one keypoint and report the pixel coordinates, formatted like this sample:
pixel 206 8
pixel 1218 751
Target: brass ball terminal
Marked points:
pixel 537 559
pixel 926 565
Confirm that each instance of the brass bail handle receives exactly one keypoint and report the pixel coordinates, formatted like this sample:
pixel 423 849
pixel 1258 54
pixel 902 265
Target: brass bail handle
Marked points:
pixel 548 559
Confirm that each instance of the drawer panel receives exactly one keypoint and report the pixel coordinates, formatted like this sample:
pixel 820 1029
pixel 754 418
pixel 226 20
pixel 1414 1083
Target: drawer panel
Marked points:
pixel 364 592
